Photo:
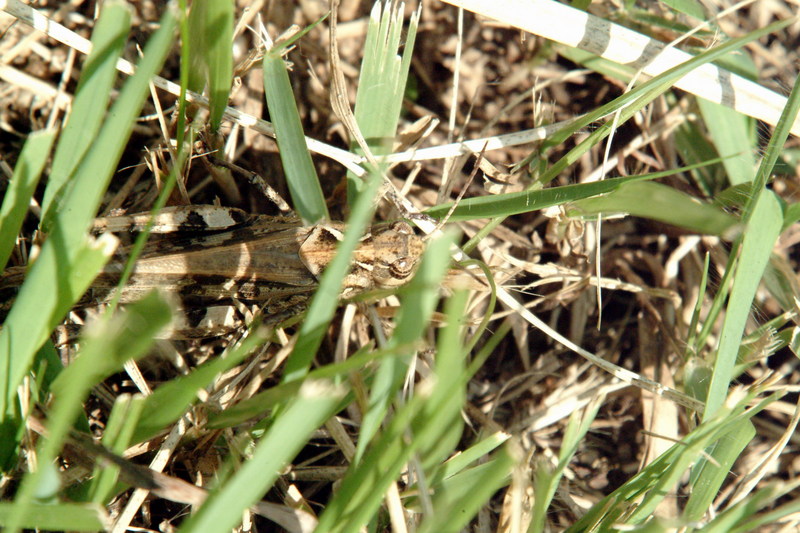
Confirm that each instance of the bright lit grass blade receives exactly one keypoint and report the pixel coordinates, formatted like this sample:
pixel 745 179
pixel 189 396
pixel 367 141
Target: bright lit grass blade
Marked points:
pixel 211 53
pixel 316 402
pixel 450 392
pixel 38 309
pixel 107 345
pixel 659 202
pixel 382 81
pixel 20 189
pixel 419 303
pixel 762 231
pixel 57 517
pixel 764 172
pixel 467 457
pixel 90 103
pixel 85 191
pixel 56 281
pixel 301 177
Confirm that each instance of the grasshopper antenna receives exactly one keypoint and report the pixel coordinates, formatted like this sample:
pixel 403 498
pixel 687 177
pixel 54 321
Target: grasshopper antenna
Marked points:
pixel 464 189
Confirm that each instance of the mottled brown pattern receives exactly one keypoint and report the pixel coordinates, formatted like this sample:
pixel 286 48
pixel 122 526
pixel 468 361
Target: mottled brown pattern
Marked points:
pixel 273 262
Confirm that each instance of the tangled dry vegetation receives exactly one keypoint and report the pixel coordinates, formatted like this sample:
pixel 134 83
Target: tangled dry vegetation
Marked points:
pixel 506 82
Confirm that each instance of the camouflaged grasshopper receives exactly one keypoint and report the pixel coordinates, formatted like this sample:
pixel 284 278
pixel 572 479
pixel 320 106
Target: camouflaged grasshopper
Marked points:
pixel 215 256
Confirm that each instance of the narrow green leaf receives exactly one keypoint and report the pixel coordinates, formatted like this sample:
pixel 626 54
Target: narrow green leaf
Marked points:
pixel 90 104
pixel 316 402
pixel 382 82
pixel 762 231
pixel 418 426
pixel 659 202
pixel 460 498
pixel 326 299
pixel 418 304
pixel 18 196
pixel 55 282
pixel 687 7
pixel 710 473
pixel 116 438
pixel 301 177
pixel 57 517
pixel 529 200
pixel 211 53
pixel 732 134
pixel 108 344
pixel 170 401
pixel 39 307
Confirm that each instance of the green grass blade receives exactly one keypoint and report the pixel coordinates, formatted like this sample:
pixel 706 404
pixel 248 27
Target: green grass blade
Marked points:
pixel 90 104
pixel 18 196
pixel 261 403
pixel 211 53
pixel 420 427
pixel 65 266
pixel 467 457
pixel 763 216
pixel 170 401
pixel 108 344
pixel 532 200
pixel 708 477
pixel 382 81
pixel 742 517
pixel 658 479
pixel 659 202
pixel 57 517
pixel 301 176
pixel 116 438
pixel 460 498
pixel 326 299
pixel 316 402
pixel 762 231
pixel 733 136
pixel 38 309
pixel 418 305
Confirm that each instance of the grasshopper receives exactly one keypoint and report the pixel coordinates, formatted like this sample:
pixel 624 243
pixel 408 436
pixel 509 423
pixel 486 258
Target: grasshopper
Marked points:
pixel 216 256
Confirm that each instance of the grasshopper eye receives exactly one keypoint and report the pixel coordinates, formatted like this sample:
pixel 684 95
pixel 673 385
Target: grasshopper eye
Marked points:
pixel 401 268
pixel 402 227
